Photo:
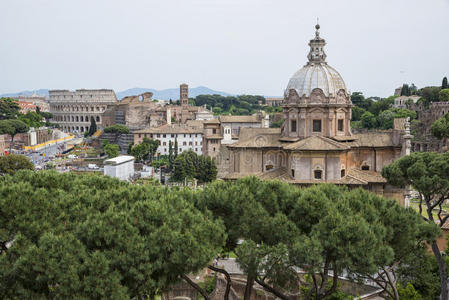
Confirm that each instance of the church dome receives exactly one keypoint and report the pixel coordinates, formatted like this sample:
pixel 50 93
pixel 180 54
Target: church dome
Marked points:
pixel 317 74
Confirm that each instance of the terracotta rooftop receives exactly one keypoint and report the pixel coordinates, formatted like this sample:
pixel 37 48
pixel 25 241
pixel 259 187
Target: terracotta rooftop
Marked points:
pixel 240 119
pixel 354 177
pixel 258 141
pixel 374 139
pixel 212 121
pixel 317 143
pixel 171 128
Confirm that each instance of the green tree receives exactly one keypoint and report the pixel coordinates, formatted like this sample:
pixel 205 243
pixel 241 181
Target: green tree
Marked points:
pixel 11 163
pixel 440 128
pixel 32 119
pixel 368 120
pixel 277 124
pixel 9 109
pixel 317 229
pixel 118 130
pixel 145 150
pixel 408 293
pixel 111 150
pixel 428 173
pixel 68 236
pixel 444 85
pixel 386 119
pixel 176 148
pixel 405 91
pixel 357 113
pixel 170 155
pixel 93 126
pixel 444 95
pixel 189 165
pixel 12 127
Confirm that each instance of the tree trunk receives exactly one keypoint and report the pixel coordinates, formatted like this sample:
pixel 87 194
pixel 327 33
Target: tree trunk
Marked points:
pixel 274 291
pixel 442 269
pixel 195 286
pixel 249 287
pixel 228 280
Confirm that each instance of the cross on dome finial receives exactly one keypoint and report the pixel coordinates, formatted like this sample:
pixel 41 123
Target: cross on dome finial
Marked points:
pixel 316 53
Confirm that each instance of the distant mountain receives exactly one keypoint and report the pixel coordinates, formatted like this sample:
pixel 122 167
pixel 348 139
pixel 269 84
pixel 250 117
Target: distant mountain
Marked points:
pixel 168 94
pixel 41 92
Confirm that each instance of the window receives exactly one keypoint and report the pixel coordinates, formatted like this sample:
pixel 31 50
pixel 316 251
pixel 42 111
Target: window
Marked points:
pixel 164 135
pixel 214 131
pixel 293 173
pixel 158 135
pixel 340 125
pixel 365 168
pixel 190 143
pixel 316 126
pixel 342 173
pixel 214 149
pixel 140 135
pixel 196 143
pixel 184 143
pixel 317 174
pixel 293 126
pixel 164 144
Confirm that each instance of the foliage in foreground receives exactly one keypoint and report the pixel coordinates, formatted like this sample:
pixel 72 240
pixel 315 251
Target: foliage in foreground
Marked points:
pixel 72 236
pixel 11 163
pixel 189 165
pixel 317 229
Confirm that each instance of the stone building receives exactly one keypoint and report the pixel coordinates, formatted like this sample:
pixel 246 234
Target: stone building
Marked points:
pixel 136 112
pixel 405 101
pixel 188 137
pixel 73 111
pixel 274 101
pixel 35 99
pixel 315 143
pixel 423 140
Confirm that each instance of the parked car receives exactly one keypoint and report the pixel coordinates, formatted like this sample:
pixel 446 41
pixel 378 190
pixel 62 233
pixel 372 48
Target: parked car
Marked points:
pixel 92 166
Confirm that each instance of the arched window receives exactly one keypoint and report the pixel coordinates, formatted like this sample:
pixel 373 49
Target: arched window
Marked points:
pixel 76 119
pixel 81 119
pixel 98 119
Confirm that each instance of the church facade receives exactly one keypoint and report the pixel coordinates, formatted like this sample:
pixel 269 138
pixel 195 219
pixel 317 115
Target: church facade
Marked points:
pixel 315 143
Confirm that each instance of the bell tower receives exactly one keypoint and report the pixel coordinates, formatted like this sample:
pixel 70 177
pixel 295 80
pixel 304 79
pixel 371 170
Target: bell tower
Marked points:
pixel 184 94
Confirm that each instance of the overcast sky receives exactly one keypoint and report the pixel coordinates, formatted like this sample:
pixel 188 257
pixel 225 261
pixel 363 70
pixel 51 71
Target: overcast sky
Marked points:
pixel 237 46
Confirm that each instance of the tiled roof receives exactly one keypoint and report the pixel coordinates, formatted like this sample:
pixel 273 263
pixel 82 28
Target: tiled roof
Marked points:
pixel 366 176
pixel 258 141
pixel 354 177
pixel 171 128
pixel 212 121
pixel 317 143
pixel 195 123
pixel 240 119
pixel 214 137
pixel 374 139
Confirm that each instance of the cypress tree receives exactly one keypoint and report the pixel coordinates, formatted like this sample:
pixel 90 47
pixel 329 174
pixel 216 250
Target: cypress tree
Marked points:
pixel 176 148
pixel 93 126
pixel 170 155
pixel 445 85
pixel 405 91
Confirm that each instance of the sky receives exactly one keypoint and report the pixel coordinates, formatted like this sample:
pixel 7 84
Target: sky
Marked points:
pixel 236 46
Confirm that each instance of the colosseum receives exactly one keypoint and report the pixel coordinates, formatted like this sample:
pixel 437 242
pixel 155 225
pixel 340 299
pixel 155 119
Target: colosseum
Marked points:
pixel 73 111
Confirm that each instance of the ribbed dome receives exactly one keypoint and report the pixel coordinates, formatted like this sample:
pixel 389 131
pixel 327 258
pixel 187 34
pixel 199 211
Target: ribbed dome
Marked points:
pixel 316 75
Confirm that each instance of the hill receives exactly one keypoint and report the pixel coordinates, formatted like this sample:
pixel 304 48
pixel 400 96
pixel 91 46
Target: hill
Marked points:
pixel 166 94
